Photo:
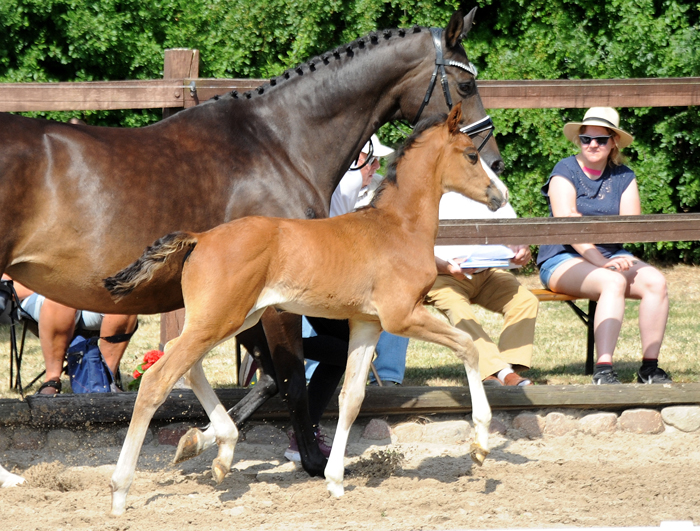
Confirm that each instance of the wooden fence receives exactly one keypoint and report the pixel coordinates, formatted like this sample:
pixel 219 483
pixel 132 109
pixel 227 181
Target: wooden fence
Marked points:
pixel 181 88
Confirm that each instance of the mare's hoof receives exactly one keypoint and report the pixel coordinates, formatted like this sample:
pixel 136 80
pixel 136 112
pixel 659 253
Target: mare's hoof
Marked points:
pixel 189 446
pixel 478 454
pixel 219 470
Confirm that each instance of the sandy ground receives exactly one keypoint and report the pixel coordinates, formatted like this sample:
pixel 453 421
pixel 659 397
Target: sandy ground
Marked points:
pixel 617 479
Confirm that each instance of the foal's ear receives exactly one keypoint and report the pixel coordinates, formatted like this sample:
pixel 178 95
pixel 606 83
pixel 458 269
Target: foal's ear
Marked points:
pixel 454 118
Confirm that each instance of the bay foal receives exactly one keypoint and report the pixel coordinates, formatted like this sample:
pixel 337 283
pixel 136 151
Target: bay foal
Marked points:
pixel 372 267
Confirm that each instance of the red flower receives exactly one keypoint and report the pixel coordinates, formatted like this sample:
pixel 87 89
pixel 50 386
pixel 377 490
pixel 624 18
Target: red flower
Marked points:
pixel 148 359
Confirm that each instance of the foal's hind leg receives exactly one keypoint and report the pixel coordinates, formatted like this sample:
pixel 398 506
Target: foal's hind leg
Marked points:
pixel 421 324
pixel 196 441
pixel 363 338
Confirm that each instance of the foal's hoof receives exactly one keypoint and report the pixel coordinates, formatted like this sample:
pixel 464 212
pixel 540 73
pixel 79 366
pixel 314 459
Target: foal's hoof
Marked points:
pixel 478 454
pixel 219 470
pixel 189 446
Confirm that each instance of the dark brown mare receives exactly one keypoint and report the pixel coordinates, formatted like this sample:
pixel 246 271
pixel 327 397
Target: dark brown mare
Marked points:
pixel 383 253
pixel 78 203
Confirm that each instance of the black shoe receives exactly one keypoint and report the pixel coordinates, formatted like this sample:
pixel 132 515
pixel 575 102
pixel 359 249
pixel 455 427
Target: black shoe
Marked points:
pixel 606 377
pixel 653 376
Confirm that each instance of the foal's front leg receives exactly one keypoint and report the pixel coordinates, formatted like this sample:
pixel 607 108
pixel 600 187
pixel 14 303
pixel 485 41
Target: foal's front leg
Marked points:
pixel 363 338
pixel 421 324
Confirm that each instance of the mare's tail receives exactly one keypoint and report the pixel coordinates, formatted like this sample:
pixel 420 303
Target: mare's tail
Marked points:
pixel 151 261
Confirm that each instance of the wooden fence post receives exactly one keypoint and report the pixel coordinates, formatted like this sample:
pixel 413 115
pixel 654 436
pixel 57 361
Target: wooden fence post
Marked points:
pixel 180 63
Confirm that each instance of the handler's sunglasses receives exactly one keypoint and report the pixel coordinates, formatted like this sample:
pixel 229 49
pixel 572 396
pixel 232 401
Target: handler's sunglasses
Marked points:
pixel 372 160
pixel 601 140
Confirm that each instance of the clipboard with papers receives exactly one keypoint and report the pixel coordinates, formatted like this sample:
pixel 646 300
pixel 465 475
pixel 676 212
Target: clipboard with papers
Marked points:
pixel 483 256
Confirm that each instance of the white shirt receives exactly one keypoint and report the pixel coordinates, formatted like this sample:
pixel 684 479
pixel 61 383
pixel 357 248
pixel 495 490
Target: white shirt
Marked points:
pixel 457 206
pixel 350 194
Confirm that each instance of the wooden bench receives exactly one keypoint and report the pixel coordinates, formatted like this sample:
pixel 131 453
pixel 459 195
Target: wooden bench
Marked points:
pixel 588 318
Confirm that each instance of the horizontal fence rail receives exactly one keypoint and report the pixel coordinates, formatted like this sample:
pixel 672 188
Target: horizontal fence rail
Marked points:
pixel 593 229
pixel 188 92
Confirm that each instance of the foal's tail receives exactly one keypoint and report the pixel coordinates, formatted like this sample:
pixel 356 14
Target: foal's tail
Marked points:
pixel 151 261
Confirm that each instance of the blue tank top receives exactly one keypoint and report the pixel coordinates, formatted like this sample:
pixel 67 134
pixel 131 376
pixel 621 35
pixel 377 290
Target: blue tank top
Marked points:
pixel 600 197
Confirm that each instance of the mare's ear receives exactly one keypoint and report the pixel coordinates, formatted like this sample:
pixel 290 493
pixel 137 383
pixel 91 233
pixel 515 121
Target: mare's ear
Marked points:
pixel 454 118
pixel 468 21
pixel 458 27
pixel 453 32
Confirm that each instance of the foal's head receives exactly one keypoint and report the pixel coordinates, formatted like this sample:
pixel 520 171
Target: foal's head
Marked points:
pixel 458 166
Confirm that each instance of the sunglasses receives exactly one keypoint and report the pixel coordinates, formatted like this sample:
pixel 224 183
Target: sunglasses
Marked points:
pixel 372 160
pixel 601 140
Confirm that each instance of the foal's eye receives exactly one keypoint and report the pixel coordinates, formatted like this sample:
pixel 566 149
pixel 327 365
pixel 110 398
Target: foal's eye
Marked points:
pixel 473 157
pixel 467 88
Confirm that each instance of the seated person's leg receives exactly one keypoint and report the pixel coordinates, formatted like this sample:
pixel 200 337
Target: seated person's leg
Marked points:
pixel 56 327
pixel 113 325
pixel 390 362
pixel 451 297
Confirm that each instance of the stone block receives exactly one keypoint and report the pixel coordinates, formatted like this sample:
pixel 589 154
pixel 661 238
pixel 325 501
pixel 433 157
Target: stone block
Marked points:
pixel 447 432
pixel 684 418
pixel 377 430
pixel 28 439
pixel 5 439
pixel 641 421
pixel 597 423
pixel 407 432
pixel 170 435
pixel 266 434
pixel 62 440
pixel 558 424
pixel 529 424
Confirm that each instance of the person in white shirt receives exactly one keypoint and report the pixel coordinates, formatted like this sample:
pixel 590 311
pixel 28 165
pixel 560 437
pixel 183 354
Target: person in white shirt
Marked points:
pixel 495 289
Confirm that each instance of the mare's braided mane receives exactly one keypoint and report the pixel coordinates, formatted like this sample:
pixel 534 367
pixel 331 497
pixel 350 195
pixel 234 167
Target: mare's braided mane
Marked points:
pixel 310 66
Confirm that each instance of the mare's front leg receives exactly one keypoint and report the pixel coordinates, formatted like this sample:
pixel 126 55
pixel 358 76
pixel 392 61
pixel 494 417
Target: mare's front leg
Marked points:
pixel 421 324
pixel 196 441
pixel 363 338
pixel 283 331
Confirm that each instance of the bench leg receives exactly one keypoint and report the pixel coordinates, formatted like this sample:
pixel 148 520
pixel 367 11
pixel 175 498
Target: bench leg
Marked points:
pixel 590 356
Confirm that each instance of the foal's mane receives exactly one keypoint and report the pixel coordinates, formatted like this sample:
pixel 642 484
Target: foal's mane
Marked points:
pixel 421 127
pixel 345 51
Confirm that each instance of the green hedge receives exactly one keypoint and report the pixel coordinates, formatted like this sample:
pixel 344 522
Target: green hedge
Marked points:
pixel 80 40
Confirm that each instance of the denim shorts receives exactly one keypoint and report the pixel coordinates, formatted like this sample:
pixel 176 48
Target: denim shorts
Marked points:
pixel 548 266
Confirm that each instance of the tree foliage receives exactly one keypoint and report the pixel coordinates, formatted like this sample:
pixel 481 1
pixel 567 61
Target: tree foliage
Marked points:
pixel 81 40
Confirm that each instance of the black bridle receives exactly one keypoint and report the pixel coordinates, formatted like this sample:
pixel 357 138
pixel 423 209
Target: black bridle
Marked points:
pixel 473 129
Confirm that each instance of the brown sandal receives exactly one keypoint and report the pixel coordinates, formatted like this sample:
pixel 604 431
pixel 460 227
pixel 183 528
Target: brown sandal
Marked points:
pixel 515 379
pixel 54 384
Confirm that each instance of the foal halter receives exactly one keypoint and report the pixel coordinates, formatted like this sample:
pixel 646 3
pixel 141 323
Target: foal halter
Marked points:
pixel 485 124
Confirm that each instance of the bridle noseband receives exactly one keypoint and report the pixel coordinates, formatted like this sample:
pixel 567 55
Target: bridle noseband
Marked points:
pixel 480 126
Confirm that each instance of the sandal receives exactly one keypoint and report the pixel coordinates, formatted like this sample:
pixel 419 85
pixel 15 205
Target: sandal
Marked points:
pixel 54 384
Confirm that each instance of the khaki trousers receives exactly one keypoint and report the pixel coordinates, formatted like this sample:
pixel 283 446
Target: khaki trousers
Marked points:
pixel 498 291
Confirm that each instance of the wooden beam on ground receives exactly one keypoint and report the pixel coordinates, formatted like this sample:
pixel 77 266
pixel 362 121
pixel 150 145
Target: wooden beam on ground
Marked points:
pixel 182 405
pixel 593 229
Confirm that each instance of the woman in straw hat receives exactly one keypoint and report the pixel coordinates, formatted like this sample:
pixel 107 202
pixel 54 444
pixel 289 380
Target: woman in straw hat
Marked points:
pixel 596 183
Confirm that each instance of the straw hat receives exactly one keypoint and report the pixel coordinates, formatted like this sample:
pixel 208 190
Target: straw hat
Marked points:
pixel 602 117
pixel 380 150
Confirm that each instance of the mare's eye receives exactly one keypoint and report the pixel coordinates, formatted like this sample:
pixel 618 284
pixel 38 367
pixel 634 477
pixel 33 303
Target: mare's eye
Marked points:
pixel 467 88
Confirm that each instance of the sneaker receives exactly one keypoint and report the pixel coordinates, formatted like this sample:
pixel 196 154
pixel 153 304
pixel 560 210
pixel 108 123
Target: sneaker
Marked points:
pixel 606 377
pixel 292 451
pixel 653 376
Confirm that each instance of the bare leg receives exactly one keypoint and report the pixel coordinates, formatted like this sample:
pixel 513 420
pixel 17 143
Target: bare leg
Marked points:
pixel 583 279
pixel 56 327
pixel 363 338
pixel 113 325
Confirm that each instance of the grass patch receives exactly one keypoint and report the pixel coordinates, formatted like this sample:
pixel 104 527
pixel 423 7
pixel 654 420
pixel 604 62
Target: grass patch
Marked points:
pixel 559 353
